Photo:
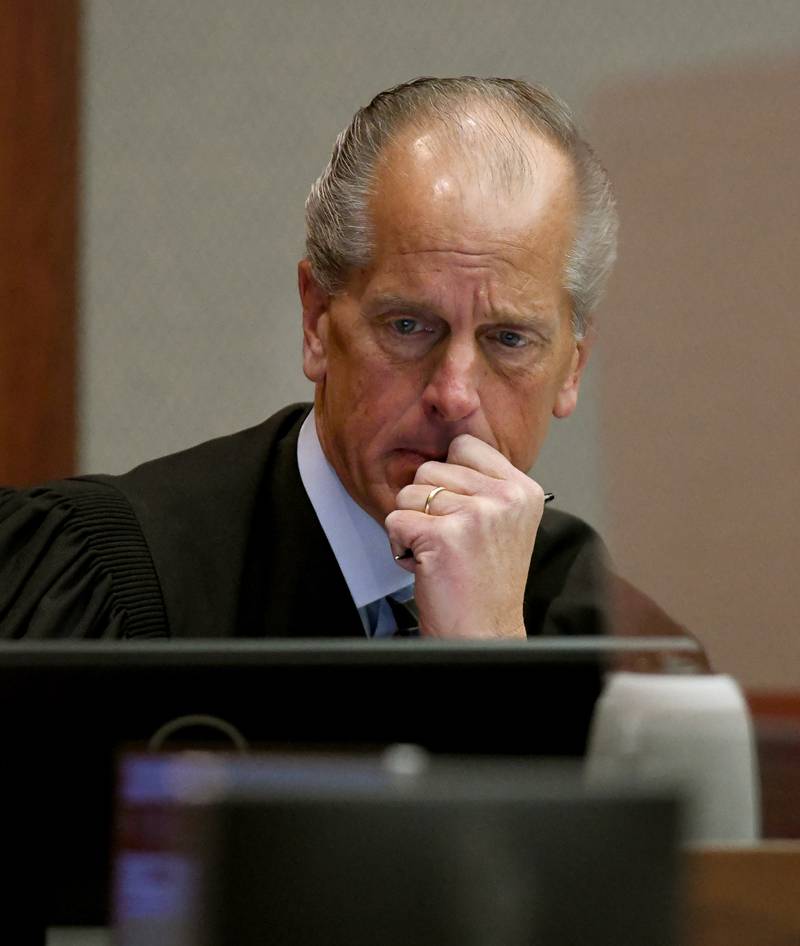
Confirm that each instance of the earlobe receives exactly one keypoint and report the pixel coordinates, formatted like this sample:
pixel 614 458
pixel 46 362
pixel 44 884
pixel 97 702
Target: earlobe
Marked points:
pixel 315 302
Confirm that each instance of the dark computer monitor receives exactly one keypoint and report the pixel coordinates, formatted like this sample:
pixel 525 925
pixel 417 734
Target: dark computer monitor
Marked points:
pixel 68 708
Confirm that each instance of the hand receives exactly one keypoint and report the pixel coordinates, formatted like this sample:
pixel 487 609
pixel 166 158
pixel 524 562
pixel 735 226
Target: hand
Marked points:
pixel 473 550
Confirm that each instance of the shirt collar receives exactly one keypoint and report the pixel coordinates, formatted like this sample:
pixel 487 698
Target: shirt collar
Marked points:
pixel 359 543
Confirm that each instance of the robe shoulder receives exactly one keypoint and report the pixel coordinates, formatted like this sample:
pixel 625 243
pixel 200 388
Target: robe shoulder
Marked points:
pixel 74 564
pixel 568 584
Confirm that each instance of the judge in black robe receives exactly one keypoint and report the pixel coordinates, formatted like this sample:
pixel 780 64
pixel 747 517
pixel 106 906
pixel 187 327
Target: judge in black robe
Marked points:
pixel 221 540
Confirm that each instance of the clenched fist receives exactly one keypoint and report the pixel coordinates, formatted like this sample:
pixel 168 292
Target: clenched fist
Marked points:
pixel 473 548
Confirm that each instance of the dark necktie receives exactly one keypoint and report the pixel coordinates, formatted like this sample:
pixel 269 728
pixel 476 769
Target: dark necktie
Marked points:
pixel 406 615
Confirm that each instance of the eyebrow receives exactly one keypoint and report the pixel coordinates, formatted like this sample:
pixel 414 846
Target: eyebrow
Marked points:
pixel 537 322
pixel 392 301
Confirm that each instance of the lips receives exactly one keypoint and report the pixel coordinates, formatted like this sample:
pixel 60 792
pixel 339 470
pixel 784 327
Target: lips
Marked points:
pixel 422 455
pixel 403 463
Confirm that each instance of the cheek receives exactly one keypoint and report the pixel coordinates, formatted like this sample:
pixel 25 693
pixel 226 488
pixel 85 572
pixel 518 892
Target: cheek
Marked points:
pixel 370 408
pixel 528 438
pixel 520 420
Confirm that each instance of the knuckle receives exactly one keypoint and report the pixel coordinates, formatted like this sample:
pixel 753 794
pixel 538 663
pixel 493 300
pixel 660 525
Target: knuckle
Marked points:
pixel 529 487
pixel 391 521
pixel 450 534
pixel 404 497
pixel 514 493
pixel 424 472
pixel 457 445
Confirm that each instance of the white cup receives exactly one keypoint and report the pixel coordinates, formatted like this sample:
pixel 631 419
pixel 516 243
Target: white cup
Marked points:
pixel 690 732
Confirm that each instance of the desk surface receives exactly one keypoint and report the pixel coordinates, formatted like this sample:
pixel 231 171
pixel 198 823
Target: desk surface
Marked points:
pixel 743 896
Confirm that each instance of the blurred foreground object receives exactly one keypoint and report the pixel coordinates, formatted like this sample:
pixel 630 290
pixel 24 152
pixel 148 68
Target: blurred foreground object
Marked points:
pixel 344 851
pixel 72 706
pixel 692 732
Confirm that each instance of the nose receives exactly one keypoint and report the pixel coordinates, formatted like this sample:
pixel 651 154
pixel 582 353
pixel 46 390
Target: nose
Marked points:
pixel 451 392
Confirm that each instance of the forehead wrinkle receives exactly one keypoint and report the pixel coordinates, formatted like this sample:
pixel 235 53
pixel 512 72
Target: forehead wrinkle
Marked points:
pixel 472 259
pixel 461 250
pixel 496 270
pixel 532 315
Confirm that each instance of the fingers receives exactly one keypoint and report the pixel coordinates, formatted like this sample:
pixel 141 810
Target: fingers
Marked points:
pixel 468 498
pixel 463 481
pixel 470 463
pixel 468 451
pixel 457 479
pixel 405 528
pixel 416 497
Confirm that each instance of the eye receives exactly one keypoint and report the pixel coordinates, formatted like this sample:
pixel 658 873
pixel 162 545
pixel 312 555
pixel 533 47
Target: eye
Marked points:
pixel 406 326
pixel 510 339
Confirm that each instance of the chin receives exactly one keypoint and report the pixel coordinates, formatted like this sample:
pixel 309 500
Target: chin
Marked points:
pixel 381 506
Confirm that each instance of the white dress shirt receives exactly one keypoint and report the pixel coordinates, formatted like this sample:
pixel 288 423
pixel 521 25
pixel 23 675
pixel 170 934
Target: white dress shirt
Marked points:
pixel 359 543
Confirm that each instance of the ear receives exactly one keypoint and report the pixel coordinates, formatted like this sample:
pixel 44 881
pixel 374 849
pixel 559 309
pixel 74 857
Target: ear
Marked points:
pixel 567 396
pixel 315 302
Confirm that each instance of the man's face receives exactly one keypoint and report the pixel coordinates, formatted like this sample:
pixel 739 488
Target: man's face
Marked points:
pixel 458 325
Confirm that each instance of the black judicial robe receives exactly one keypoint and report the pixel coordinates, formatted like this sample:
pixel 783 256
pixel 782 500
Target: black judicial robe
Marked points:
pixel 221 540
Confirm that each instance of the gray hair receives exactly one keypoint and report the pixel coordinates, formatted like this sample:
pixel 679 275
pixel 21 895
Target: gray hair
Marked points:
pixel 338 229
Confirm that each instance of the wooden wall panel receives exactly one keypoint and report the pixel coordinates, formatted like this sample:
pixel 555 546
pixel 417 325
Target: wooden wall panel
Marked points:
pixel 39 56
pixel 776 716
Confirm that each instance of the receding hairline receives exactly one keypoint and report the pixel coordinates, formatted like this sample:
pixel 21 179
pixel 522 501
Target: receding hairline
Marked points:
pixel 337 215
pixel 549 171
pixel 492 136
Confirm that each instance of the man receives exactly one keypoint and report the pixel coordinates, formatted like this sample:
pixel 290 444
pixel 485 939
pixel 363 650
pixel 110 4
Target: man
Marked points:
pixel 457 243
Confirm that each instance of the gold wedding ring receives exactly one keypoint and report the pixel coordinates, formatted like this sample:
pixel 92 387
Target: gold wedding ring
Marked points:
pixel 429 500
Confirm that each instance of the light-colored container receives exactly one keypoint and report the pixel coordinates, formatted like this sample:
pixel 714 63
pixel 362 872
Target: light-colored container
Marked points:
pixel 693 732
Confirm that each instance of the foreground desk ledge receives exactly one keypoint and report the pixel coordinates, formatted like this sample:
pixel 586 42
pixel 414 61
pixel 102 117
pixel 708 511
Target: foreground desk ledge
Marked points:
pixel 742 895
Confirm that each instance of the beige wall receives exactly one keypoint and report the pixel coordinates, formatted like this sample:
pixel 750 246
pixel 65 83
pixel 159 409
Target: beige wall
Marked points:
pixel 700 418
pixel 205 124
